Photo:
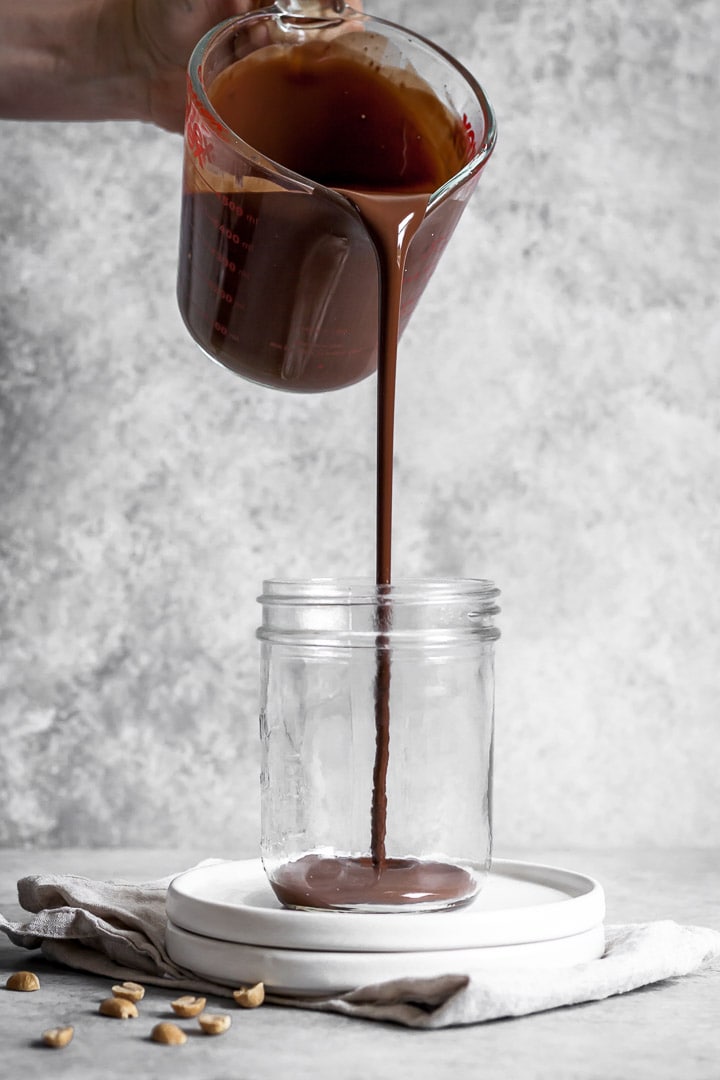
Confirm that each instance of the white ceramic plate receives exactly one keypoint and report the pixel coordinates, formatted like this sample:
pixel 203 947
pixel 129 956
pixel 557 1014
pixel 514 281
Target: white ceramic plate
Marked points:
pixel 520 903
pixel 306 972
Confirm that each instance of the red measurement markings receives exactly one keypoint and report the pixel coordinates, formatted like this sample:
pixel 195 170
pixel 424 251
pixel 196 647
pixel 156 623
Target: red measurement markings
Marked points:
pixel 199 126
pixel 234 238
pixel 222 294
pixel 221 256
pixel 226 236
pixel 226 231
pixel 228 264
pixel 208 315
pixel 238 209
pixel 470 138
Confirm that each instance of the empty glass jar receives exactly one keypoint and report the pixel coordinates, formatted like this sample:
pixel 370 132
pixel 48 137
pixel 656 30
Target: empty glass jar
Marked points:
pixel 377 731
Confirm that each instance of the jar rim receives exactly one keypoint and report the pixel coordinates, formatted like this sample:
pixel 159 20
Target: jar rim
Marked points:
pixel 358 591
pixel 355 612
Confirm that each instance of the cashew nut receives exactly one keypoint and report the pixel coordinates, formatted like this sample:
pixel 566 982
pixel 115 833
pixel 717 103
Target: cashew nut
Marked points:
pixel 120 1008
pixel 250 996
pixel 214 1023
pixel 23 980
pixel 131 990
pixel 169 1034
pixel 188 1005
pixel 57 1037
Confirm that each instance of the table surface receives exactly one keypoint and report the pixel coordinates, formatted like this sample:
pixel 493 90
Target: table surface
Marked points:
pixel 670 1030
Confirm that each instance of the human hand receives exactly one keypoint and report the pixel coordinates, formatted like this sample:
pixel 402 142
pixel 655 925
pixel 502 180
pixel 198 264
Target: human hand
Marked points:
pixel 104 59
pixel 162 35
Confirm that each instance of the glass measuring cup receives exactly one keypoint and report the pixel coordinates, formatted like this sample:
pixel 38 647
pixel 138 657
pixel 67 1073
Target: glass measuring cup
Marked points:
pixel 278 275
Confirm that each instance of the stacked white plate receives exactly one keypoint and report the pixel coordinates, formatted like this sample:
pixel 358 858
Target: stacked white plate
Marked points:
pixel 225 924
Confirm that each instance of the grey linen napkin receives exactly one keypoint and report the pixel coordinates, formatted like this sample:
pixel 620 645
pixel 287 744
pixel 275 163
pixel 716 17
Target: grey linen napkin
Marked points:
pixel 117 930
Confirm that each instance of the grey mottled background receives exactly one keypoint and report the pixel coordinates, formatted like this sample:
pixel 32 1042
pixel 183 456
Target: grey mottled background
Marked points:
pixel 558 431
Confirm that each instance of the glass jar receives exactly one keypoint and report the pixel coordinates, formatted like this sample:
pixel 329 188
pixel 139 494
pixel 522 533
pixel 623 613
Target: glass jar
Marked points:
pixel 376 724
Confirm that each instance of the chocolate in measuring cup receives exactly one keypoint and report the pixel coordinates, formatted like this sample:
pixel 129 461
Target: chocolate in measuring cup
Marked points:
pixel 278 273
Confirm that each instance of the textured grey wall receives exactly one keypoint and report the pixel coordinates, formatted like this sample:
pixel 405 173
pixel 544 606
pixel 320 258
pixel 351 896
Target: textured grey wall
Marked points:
pixel 558 431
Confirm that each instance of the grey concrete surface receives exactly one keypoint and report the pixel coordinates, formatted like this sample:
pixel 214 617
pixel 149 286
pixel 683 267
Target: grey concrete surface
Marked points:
pixel 663 1032
pixel 558 431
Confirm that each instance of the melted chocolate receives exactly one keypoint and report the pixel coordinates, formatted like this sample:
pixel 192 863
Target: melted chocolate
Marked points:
pixel 315 881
